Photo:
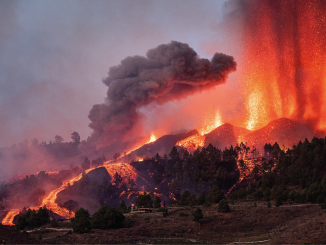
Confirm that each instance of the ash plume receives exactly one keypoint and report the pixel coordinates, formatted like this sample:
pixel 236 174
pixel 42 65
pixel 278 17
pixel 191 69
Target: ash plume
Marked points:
pixel 168 72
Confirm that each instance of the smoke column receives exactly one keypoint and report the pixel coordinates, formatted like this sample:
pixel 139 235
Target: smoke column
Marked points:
pixel 168 72
pixel 283 62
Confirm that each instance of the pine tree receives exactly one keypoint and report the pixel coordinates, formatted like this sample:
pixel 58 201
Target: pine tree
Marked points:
pixel 223 206
pixel 81 223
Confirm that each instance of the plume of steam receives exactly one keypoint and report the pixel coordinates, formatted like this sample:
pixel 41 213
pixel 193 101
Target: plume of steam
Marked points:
pixel 168 72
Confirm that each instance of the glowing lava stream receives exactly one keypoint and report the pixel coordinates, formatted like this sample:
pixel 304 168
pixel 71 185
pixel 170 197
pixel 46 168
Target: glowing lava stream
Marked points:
pixel 8 220
pixel 49 201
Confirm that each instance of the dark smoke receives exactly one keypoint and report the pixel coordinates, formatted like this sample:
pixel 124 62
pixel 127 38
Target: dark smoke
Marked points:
pixel 168 72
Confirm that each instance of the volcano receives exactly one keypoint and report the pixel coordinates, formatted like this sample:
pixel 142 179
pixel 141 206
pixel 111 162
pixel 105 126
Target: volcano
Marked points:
pixel 225 136
pixel 162 145
pixel 283 131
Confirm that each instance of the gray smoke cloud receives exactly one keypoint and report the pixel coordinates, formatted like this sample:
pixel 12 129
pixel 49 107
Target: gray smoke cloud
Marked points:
pixel 168 72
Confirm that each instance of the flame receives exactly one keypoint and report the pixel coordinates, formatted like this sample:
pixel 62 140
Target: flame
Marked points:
pixel 8 219
pixel 193 142
pixel 211 124
pixel 125 170
pixel 152 139
pixel 284 60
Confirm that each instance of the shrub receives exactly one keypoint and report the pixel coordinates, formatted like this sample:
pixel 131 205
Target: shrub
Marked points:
pixel 161 209
pixel 157 202
pixel 198 215
pixel 183 214
pixel 33 219
pixel 81 223
pixel 223 206
pixel 54 223
pixel 108 218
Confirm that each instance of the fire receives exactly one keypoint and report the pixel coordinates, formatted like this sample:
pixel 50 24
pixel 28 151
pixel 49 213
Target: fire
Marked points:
pixel 125 170
pixel 8 220
pixel 284 59
pixel 193 142
pixel 211 124
pixel 152 139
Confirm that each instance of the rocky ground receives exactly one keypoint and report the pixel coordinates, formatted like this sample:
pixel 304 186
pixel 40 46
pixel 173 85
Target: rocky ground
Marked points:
pixel 295 224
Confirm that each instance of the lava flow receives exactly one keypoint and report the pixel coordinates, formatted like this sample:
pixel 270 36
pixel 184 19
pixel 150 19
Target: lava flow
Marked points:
pixel 8 220
pixel 123 169
pixel 284 61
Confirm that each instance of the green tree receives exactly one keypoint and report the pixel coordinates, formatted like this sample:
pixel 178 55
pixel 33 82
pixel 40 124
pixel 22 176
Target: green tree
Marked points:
pixel 198 215
pixel 184 201
pixel 33 219
pixel 223 206
pixel 58 139
pixel 201 199
pixel 117 179
pixel 108 218
pixel 174 154
pixel 54 223
pixel 81 222
pixel 144 200
pixel 215 195
pixel 192 200
pixel 123 206
pixel 75 138
pixel 157 202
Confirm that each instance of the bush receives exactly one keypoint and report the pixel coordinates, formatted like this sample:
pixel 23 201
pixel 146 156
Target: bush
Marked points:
pixel 215 195
pixel 183 214
pixel 54 223
pixel 157 202
pixel 323 205
pixel 161 209
pixel 144 200
pixel 198 215
pixel 223 206
pixel 108 218
pixel 33 219
pixel 81 223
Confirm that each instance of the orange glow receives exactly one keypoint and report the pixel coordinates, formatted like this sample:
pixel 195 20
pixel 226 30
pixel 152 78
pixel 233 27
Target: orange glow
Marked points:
pixel 8 220
pixel 192 143
pixel 125 170
pixel 284 62
pixel 209 124
pixel 152 139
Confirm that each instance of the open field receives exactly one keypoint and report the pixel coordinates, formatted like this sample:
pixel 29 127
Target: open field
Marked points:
pixel 244 224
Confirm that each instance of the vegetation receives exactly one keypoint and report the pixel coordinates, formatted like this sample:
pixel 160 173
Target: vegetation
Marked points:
pixel 223 206
pixel 33 219
pixel 157 202
pixel 296 175
pixel 107 218
pixel 81 223
pixel 198 215
pixel 144 201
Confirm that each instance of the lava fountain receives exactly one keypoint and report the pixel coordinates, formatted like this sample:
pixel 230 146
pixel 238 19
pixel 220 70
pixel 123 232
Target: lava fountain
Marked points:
pixel 284 61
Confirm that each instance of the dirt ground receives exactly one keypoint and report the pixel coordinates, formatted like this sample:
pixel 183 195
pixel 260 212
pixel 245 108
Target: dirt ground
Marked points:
pixel 295 224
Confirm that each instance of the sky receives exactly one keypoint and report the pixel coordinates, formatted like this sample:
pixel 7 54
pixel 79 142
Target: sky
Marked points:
pixel 55 53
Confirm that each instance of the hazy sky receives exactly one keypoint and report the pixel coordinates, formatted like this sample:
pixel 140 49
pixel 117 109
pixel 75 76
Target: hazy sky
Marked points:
pixel 54 54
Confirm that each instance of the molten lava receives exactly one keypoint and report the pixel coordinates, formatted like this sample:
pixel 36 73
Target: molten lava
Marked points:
pixel 284 68
pixel 123 169
pixel 8 219
pixel 192 143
